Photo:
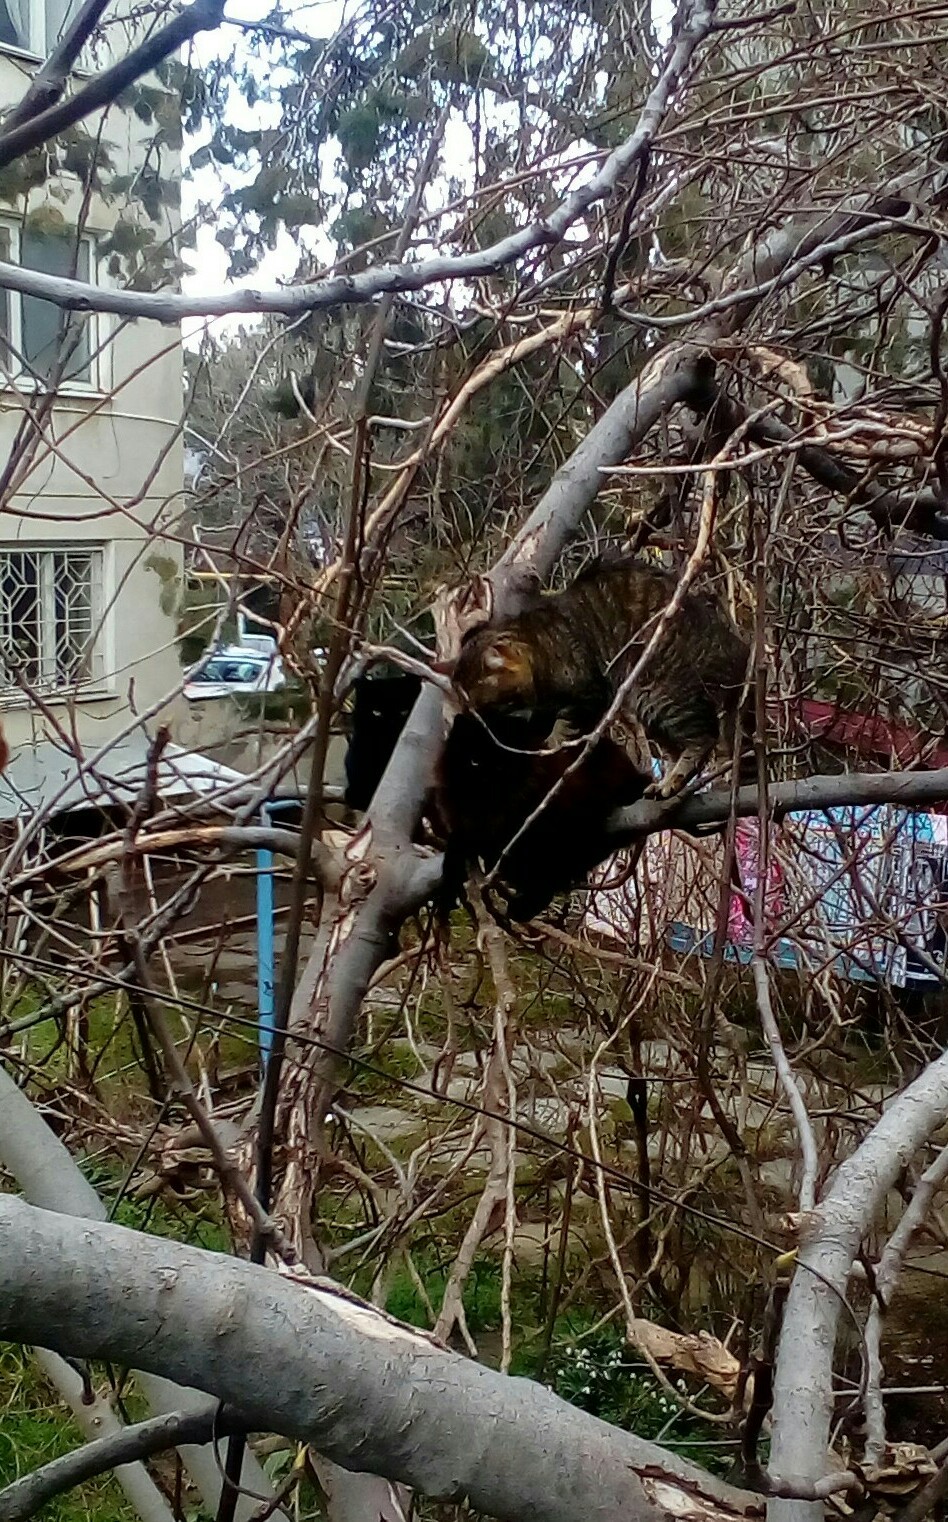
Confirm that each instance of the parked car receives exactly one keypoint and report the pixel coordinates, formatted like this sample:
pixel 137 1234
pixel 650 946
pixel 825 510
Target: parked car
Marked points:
pixel 233 670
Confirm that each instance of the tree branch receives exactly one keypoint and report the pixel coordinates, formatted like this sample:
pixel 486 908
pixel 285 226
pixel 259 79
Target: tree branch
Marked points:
pixel 97 1420
pixel 201 16
pixel 231 837
pixel 331 1371
pixel 128 1445
pixel 887 1273
pixel 334 983
pixel 829 1241
pixel 704 810
pixel 49 1177
pixel 322 294
pixel 48 83
pixel 922 511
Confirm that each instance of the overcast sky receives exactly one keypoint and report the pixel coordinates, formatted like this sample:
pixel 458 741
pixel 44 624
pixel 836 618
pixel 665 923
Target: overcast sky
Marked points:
pixel 209 260
pixel 321 18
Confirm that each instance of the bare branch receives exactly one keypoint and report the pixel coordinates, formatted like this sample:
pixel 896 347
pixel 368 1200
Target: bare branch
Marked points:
pixel 233 837
pixel 48 83
pixel 795 1098
pixel 705 810
pixel 887 1273
pixel 921 511
pixel 25 1496
pixel 323 294
pixel 97 1420
pixel 48 1176
pixel 227 1168
pixel 201 16
pixel 830 1238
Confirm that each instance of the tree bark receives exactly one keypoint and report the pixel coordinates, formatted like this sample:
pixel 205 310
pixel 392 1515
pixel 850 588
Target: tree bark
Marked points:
pixel 328 1369
pixel 49 1178
pixel 97 1422
pixel 704 810
pixel 829 1240
pixel 111 1446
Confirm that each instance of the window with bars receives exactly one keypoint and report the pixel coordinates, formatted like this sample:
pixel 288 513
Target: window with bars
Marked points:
pixel 50 612
pixel 40 342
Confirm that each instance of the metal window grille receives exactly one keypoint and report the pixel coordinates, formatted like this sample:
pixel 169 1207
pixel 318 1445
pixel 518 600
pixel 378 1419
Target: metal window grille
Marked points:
pixel 50 602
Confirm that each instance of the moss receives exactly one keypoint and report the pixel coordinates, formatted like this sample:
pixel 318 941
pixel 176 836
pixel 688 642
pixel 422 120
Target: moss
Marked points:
pixel 166 569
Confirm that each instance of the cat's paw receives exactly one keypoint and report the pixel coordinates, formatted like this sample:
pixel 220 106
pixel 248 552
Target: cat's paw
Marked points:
pixel 666 789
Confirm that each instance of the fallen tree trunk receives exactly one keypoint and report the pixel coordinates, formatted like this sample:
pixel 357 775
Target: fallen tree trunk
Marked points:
pixel 49 1177
pixel 328 1369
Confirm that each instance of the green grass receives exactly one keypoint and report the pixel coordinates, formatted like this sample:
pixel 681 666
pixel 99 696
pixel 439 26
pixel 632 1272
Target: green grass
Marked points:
pixel 35 1426
pixel 198 1225
pixel 600 1373
pixel 595 1371
pixel 481 1295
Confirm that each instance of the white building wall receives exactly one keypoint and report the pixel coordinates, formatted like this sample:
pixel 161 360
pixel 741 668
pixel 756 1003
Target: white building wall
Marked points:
pixel 109 472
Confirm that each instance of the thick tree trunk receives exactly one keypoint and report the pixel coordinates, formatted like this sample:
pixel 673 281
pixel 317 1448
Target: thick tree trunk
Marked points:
pixel 49 1178
pixel 320 1366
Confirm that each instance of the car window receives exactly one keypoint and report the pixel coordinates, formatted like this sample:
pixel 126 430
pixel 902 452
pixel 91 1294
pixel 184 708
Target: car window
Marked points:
pixel 210 673
pixel 221 670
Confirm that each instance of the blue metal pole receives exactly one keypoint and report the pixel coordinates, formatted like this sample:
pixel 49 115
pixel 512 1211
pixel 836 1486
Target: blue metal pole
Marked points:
pixel 265 956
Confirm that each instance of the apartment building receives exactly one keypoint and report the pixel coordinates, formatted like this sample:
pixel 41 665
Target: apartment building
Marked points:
pixel 91 464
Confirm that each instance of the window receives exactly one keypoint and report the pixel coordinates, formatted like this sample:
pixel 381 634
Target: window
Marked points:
pixel 34 26
pixel 36 337
pixel 50 613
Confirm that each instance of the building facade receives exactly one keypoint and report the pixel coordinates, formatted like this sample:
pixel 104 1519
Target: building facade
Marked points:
pixel 91 464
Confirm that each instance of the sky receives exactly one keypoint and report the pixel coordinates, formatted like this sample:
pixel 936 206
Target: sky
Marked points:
pixel 209 260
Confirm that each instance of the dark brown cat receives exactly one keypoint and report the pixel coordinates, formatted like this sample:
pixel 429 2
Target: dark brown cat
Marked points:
pixel 572 650
pixel 489 782
pixel 489 785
